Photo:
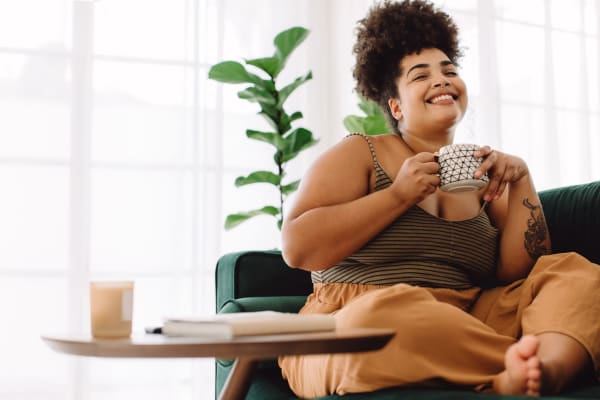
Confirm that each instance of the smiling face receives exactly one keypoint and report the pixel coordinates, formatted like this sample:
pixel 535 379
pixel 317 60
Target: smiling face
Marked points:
pixel 431 95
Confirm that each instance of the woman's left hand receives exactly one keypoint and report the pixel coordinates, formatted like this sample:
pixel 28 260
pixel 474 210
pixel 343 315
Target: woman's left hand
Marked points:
pixel 501 168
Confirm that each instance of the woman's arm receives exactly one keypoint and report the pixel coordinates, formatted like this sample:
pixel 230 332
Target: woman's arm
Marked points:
pixel 335 213
pixel 517 213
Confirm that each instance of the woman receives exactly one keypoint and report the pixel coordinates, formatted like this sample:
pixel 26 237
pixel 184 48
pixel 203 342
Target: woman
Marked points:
pixel 466 278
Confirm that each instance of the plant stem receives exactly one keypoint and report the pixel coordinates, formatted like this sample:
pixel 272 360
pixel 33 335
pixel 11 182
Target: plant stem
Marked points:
pixel 280 169
pixel 281 173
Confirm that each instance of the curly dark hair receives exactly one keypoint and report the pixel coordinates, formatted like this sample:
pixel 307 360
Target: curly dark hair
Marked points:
pixel 391 31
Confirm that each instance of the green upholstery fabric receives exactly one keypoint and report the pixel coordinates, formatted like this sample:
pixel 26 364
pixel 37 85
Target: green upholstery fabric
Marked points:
pixel 573 217
pixel 257 273
pixel 260 280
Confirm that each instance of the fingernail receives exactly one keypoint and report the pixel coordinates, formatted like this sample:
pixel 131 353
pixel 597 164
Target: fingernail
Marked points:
pixel 477 174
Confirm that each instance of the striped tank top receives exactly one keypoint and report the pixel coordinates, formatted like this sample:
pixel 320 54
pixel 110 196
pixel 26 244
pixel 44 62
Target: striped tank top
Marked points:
pixel 421 249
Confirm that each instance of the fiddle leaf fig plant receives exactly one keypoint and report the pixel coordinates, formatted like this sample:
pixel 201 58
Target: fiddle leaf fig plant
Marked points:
pixel 374 123
pixel 264 89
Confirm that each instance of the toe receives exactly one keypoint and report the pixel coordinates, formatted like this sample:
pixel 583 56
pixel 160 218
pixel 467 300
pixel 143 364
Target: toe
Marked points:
pixel 534 374
pixel 528 345
pixel 533 362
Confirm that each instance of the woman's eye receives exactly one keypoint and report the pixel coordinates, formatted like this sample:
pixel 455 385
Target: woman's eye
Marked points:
pixel 451 73
pixel 419 77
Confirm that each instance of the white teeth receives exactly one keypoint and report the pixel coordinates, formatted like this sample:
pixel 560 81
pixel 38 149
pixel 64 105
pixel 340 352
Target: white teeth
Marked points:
pixel 440 98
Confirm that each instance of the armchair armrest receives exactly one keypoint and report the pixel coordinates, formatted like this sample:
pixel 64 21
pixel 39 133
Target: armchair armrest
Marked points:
pixel 291 304
pixel 258 274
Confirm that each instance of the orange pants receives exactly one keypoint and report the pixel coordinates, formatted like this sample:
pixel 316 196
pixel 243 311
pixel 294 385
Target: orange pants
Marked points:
pixel 448 336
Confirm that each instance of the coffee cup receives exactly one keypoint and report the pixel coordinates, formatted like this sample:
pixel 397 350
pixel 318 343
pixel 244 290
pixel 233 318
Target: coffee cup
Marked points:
pixel 111 308
pixel 457 168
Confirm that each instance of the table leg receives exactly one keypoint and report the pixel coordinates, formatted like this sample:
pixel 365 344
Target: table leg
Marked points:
pixel 237 383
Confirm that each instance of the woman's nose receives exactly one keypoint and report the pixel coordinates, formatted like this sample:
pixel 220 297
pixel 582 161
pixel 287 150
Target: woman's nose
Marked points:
pixel 440 83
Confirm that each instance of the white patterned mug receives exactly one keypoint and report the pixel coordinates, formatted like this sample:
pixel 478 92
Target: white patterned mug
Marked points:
pixel 457 167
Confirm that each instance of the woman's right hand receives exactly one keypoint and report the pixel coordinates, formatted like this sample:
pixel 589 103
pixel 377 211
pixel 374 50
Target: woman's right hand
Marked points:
pixel 417 178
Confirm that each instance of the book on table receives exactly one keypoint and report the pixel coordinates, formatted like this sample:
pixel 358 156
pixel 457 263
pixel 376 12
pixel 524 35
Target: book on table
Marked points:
pixel 247 324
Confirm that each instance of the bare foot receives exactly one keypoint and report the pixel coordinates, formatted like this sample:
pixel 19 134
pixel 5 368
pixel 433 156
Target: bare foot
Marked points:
pixel 523 373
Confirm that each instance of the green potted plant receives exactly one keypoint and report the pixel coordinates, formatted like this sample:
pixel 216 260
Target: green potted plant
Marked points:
pixel 264 89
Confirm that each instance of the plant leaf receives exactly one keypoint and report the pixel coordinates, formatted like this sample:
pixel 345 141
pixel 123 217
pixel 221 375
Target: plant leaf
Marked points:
pixel 234 220
pixel 257 95
pixel 376 125
pixel 290 187
pixel 230 72
pixel 271 120
pixel 369 107
pixel 268 64
pixel 266 84
pixel 286 41
pixel 354 123
pixel 272 111
pixel 371 125
pixel 285 121
pixel 295 116
pixel 285 92
pixel 297 141
pixel 258 177
pixel 269 137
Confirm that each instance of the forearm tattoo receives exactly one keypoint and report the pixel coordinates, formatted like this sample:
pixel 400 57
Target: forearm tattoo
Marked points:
pixel 537 231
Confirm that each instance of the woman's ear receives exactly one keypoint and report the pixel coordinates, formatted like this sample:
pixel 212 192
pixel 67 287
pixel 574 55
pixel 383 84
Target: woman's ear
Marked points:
pixel 395 108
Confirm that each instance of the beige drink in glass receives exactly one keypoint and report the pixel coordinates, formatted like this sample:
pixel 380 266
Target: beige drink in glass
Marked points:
pixel 111 308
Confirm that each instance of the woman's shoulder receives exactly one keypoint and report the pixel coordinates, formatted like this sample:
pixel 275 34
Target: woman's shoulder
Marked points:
pixel 375 143
pixel 379 138
pixel 358 150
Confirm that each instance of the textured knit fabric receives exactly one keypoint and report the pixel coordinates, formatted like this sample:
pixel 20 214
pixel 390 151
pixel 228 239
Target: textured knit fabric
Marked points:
pixel 421 249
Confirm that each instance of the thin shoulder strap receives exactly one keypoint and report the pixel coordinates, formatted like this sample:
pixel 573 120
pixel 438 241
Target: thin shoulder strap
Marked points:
pixel 382 179
pixel 368 139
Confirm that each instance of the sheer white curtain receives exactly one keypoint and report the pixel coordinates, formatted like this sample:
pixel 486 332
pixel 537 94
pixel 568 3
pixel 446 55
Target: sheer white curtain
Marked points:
pixel 117 161
pixel 117 155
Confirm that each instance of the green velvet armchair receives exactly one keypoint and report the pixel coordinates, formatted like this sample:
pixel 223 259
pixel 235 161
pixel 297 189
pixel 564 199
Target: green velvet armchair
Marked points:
pixel 260 280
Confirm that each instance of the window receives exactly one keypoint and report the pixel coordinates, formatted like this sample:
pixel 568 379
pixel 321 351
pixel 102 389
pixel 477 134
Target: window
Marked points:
pixel 118 156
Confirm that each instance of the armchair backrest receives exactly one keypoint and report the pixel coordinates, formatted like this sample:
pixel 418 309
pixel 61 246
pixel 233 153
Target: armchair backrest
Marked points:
pixel 573 217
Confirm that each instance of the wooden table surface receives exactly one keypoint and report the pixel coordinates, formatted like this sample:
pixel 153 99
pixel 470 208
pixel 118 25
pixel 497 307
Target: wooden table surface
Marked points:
pixel 247 351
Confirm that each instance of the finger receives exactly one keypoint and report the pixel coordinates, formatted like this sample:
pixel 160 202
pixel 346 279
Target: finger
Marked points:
pixel 494 183
pixel 431 189
pixel 508 176
pixel 486 165
pixel 483 151
pixel 431 167
pixel 500 190
pixel 425 157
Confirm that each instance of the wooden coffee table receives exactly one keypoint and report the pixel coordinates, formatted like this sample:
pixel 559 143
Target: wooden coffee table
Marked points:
pixel 247 351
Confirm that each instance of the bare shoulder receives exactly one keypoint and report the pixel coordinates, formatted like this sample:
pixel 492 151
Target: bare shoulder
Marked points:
pixel 381 144
pixel 353 156
pixel 349 158
pixel 342 173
